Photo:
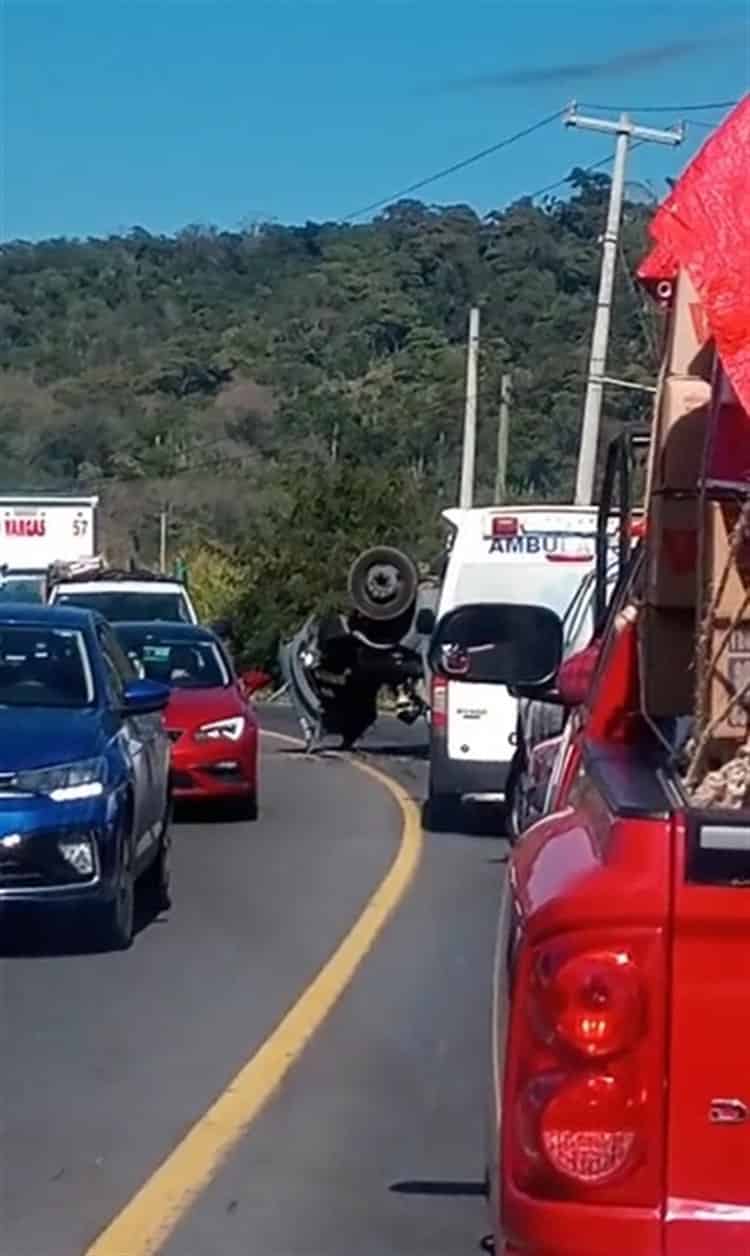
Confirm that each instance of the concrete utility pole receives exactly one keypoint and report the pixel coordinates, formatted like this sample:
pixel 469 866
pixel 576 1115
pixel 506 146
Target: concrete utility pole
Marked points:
pixel 163 519
pixel 503 429
pixel 468 459
pixel 625 131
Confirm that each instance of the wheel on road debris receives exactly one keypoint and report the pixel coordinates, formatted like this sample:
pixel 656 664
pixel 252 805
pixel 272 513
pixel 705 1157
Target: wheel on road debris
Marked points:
pixel 383 583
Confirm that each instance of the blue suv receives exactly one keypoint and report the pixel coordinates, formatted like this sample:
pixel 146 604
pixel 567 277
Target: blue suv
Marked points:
pixel 85 799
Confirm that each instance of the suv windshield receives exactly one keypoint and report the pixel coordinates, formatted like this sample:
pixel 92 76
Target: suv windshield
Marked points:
pixel 181 662
pixel 44 667
pixel 123 606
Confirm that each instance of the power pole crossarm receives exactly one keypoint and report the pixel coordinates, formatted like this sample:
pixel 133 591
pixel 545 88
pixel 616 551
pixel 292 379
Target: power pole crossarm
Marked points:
pixel 624 131
pixel 675 135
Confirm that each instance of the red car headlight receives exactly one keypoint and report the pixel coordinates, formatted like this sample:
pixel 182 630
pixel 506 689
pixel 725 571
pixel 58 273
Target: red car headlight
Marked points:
pixel 230 729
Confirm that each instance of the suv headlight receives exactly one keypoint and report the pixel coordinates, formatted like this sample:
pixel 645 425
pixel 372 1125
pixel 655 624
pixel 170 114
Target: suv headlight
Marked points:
pixel 67 783
pixel 230 729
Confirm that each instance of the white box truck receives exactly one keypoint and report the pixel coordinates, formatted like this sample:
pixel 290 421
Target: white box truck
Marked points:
pixel 37 531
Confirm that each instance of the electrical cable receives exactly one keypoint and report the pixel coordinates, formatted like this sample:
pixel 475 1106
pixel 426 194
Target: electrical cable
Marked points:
pixel 595 165
pixel 530 130
pixel 458 165
pixel 678 109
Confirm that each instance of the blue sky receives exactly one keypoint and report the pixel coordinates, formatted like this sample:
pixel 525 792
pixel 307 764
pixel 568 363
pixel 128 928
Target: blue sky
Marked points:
pixel 162 113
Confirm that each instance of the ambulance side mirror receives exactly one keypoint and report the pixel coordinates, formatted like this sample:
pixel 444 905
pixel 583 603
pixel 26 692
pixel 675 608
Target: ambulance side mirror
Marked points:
pixel 498 643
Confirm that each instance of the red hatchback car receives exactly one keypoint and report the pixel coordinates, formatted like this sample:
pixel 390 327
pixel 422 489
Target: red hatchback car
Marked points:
pixel 210 718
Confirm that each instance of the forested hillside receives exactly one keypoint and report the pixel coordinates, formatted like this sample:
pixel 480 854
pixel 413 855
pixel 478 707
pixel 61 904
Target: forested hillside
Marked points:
pixel 293 393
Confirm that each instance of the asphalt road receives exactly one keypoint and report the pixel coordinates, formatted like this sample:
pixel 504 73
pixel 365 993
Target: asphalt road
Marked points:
pixel 374 1144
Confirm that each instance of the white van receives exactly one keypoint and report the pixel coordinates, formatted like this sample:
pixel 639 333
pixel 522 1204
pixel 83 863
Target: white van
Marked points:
pixel 536 555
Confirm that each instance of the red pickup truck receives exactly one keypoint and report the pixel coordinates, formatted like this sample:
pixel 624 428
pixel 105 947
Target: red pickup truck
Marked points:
pixel 620 1093
pixel 620 1079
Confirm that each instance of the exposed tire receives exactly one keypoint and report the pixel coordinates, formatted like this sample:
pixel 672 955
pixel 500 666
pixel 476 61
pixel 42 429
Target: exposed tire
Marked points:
pixel 383 583
pixel 513 816
pixel 115 923
pixel 157 877
pixel 249 807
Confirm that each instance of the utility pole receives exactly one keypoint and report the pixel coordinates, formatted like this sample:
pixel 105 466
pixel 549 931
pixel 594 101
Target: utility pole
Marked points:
pixel 468 458
pixel 503 429
pixel 625 131
pixel 163 519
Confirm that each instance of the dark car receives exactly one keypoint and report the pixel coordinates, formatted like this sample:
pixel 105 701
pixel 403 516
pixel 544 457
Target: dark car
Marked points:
pixel 85 796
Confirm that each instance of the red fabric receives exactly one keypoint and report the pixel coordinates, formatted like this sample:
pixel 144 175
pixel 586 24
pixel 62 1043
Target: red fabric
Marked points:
pixel 659 264
pixel 576 674
pixel 704 225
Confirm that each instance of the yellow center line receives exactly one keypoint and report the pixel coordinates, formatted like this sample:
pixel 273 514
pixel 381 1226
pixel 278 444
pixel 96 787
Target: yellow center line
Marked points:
pixel 151 1216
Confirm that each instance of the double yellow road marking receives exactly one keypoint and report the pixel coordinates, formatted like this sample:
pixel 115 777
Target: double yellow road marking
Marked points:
pixel 152 1215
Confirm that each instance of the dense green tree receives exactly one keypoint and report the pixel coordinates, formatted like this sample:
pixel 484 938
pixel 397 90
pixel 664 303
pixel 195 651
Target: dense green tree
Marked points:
pixel 294 392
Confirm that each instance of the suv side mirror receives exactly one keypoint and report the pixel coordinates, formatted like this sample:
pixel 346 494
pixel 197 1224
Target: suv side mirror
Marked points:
pixel 498 643
pixel 144 697
pixel 221 627
pixel 425 624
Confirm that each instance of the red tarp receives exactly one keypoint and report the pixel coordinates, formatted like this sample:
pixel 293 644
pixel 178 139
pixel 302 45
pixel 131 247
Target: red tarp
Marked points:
pixel 704 226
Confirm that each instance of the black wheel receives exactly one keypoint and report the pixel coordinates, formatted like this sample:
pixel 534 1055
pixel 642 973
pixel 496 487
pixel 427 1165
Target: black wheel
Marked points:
pixel 383 583
pixel 513 801
pixel 156 879
pixel 250 807
pixel 443 812
pixel 116 919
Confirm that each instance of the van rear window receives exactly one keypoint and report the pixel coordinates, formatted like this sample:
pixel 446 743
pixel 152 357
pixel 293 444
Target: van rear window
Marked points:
pixel 549 585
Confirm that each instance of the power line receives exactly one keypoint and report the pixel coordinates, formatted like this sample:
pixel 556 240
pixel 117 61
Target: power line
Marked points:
pixel 458 165
pixel 717 104
pixel 550 187
pixel 605 161
pixel 595 165
pixel 530 130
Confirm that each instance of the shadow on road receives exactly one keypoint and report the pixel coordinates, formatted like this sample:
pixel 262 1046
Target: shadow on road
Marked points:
pixel 403 750
pixel 472 820
pixel 204 812
pixel 37 933
pixel 441 1190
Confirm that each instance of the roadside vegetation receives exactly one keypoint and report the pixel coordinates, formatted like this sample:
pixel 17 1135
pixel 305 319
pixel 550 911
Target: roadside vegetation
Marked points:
pixel 293 394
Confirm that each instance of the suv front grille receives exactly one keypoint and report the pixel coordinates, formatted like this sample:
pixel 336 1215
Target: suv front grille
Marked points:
pixel 38 864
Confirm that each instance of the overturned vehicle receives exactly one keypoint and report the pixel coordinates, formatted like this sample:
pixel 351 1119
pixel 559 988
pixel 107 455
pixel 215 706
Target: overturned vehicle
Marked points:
pixel 337 664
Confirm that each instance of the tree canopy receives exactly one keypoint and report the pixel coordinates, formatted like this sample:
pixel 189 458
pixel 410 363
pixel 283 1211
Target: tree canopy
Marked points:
pixel 295 393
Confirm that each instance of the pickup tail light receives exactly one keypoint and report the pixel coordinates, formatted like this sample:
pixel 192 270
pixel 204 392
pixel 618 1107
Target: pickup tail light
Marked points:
pixel 591 1130
pixel 439 704
pixel 586 1075
pixel 593 1003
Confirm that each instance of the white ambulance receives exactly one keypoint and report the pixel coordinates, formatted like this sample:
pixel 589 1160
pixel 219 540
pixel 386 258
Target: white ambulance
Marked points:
pixel 533 555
